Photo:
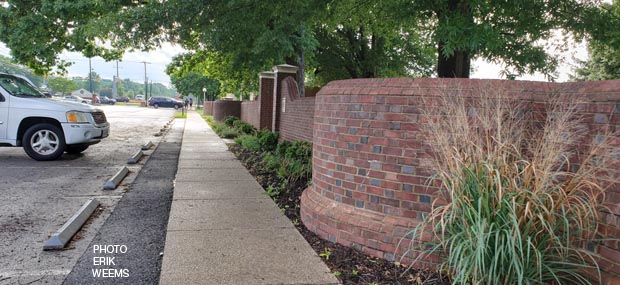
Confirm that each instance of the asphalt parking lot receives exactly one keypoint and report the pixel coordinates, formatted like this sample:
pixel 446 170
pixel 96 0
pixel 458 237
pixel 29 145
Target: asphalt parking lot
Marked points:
pixel 37 198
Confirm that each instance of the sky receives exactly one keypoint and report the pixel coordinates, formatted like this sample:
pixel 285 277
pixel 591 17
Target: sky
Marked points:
pixel 132 65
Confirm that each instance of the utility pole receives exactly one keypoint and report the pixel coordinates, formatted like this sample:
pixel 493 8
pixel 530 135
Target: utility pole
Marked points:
pixel 90 75
pixel 146 84
pixel 115 83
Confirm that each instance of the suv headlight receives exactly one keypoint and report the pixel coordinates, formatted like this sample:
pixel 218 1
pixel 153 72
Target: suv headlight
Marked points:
pixel 78 117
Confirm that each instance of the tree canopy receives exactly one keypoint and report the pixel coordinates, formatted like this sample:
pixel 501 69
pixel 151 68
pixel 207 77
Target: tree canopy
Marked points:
pixel 62 85
pixel 329 38
pixel 603 48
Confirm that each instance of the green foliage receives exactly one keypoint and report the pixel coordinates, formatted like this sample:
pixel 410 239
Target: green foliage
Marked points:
pixel 216 66
pixel 510 209
pixel 230 121
pixel 268 140
pixel 62 85
pixel 295 160
pixel 193 83
pixel 272 161
pixel 603 48
pixel 224 130
pixel 326 253
pixel 364 38
pixel 248 142
pixel 274 191
pixel 244 128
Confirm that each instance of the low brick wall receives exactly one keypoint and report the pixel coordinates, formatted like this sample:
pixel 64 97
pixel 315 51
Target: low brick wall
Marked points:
pixel 208 108
pixel 250 112
pixel 223 109
pixel 298 114
pixel 371 162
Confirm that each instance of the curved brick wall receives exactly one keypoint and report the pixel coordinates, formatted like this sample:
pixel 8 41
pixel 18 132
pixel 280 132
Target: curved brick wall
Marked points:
pixel 223 109
pixel 370 163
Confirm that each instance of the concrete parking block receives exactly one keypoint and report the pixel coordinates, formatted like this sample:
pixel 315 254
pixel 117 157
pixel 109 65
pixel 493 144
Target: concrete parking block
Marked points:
pixel 216 174
pixel 60 238
pixel 212 190
pixel 266 256
pixel 226 214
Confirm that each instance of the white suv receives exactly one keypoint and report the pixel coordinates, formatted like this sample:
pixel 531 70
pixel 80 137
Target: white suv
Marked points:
pixel 46 127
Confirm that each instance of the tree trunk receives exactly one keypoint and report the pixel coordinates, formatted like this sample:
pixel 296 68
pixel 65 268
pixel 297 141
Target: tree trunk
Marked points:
pixel 457 65
pixel 301 72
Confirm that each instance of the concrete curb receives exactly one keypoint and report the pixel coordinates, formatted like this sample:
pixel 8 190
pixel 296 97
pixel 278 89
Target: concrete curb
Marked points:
pixel 147 145
pixel 59 239
pixel 135 157
pixel 113 182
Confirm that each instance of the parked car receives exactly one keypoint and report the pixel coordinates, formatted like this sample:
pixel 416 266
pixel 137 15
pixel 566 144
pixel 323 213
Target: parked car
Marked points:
pixel 107 100
pixel 45 127
pixel 78 99
pixel 140 97
pixel 157 102
pixel 122 99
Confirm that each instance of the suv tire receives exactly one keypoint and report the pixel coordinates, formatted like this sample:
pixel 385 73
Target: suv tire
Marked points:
pixel 44 142
pixel 155 105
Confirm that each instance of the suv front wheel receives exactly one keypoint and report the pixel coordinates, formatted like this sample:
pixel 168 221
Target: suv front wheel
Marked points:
pixel 44 142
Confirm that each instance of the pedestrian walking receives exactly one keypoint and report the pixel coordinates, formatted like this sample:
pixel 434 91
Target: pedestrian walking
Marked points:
pixel 191 102
pixel 185 103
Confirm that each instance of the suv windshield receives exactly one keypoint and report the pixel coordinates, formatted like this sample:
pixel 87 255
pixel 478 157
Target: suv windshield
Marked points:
pixel 19 87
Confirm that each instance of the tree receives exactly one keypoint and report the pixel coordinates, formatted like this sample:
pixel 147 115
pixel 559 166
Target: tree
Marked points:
pixel 216 66
pixel 499 31
pixel 63 85
pixel 361 39
pixel 603 49
pixel 256 35
pixel 192 83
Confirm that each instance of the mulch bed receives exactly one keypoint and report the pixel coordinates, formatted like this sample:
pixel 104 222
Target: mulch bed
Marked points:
pixel 349 265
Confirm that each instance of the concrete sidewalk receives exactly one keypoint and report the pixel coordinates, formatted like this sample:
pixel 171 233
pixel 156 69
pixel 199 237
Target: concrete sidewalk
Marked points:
pixel 224 229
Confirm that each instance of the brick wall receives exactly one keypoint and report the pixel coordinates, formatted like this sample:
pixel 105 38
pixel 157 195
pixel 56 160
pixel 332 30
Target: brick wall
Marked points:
pixel 250 112
pixel 370 161
pixel 208 108
pixel 298 113
pixel 223 109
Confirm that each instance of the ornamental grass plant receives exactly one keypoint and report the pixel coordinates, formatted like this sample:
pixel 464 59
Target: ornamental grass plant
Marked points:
pixel 519 190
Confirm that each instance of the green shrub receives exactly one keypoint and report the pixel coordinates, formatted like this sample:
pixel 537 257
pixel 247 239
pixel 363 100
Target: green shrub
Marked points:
pixel 223 131
pixel 281 148
pixel 248 142
pixel 268 140
pixel 230 121
pixel 510 210
pixel 272 162
pixel 228 133
pixel 244 128
pixel 299 151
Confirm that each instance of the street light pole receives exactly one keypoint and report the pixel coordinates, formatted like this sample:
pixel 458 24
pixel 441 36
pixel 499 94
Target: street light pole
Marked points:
pixel 204 95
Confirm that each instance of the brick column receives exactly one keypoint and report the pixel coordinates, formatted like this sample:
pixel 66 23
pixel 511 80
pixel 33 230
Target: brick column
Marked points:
pixel 281 72
pixel 266 100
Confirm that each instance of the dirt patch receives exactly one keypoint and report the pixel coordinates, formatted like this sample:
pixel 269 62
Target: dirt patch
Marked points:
pixel 348 264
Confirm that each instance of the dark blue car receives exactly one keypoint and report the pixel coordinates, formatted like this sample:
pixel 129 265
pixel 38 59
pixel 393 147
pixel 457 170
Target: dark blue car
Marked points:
pixel 157 102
